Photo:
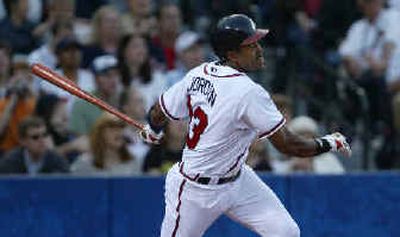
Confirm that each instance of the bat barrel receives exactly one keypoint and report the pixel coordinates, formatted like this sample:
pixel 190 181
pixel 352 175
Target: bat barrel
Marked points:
pixel 67 85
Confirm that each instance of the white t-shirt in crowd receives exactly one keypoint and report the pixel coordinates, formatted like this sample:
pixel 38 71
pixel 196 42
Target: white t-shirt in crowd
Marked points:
pixel 366 37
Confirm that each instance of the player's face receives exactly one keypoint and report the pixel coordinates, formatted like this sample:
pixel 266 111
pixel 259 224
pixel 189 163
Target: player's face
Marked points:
pixel 251 57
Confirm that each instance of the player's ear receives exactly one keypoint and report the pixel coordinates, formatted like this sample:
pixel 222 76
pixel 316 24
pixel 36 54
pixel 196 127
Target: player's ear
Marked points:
pixel 232 56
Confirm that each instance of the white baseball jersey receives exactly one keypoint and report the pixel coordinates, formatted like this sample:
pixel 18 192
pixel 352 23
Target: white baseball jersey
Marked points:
pixel 226 111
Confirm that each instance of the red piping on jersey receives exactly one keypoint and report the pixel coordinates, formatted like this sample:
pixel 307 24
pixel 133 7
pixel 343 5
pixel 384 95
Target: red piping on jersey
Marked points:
pixel 224 76
pixel 274 129
pixel 237 162
pixel 164 109
pixel 187 176
pixel 189 105
pixel 178 207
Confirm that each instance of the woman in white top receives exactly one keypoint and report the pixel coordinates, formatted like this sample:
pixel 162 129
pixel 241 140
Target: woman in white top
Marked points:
pixel 136 68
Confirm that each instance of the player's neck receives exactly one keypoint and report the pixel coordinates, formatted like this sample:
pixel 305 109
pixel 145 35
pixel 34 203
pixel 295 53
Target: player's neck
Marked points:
pixel 233 65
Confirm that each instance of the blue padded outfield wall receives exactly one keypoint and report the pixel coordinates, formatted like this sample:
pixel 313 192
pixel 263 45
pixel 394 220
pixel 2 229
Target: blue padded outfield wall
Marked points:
pixel 365 205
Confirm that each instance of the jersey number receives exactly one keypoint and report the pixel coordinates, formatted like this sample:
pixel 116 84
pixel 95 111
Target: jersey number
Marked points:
pixel 198 123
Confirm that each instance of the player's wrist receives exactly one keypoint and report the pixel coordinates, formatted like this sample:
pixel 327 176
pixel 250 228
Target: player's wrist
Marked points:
pixel 155 128
pixel 322 145
pixel 150 136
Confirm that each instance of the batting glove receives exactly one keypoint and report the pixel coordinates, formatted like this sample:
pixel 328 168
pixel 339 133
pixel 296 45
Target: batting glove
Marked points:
pixel 334 142
pixel 150 136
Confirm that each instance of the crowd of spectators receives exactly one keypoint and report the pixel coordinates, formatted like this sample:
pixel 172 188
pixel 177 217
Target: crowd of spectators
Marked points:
pixel 330 66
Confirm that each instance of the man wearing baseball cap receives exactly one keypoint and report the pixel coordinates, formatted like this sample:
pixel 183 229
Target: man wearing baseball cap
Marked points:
pixel 108 86
pixel 189 47
pixel 69 55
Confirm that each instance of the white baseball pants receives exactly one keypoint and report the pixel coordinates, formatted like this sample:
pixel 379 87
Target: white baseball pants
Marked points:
pixel 191 207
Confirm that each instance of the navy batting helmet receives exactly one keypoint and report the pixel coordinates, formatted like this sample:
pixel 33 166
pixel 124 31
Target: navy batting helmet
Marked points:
pixel 234 31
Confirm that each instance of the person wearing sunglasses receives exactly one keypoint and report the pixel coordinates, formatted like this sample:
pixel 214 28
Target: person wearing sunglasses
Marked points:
pixel 34 155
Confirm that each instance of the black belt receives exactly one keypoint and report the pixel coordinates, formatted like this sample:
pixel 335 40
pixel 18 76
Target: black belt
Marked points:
pixel 206 180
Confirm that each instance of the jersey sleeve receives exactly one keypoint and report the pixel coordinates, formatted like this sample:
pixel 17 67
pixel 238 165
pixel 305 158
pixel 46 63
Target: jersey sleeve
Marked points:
pixel 173 101
pixel 258 111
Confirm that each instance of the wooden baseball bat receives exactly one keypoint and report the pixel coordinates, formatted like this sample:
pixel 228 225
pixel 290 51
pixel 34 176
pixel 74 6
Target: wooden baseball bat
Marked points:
pixel 67 85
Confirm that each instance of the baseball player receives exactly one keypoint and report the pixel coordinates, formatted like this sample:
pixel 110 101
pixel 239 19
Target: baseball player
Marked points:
pixel 227 111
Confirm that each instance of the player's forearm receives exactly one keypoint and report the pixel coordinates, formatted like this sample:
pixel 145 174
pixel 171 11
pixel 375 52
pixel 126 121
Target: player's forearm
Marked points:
pixel 301 147
pixel 295 145
pixel 157 118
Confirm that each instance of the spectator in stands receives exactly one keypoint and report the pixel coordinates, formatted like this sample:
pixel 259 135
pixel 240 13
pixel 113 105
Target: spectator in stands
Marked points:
pixel 160 158
pixel 46 54
pixel 21 70
pixel 85 9
pixel 136 69
pixel 53 110
pixel 190 51
pixel 62 11
pixel 5 67
pixel 169 26
pixel 108 153
pixel 139 19
pixel 371 56
pixel 367 53
pixel 132 104
pixel 327 163
pixel 108 87
pixel 292 27
pixel 16 29
pixel 34 11
pixel 69 56
pixel 331 29
pixel 18 103
pixel 34 156
pixel 56 12
pixel 106 32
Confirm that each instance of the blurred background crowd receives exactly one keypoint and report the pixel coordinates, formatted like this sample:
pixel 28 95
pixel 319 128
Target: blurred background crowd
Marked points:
pixel 331 65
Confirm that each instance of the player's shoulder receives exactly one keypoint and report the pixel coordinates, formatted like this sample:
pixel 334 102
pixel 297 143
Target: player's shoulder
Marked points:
pixel 216 70
pixel 253 89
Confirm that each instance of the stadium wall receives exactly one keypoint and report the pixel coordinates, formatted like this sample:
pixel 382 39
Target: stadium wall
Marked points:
pixel 365 205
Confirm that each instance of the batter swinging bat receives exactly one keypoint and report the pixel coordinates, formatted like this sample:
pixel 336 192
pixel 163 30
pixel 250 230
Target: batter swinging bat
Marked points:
pixel 67 85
